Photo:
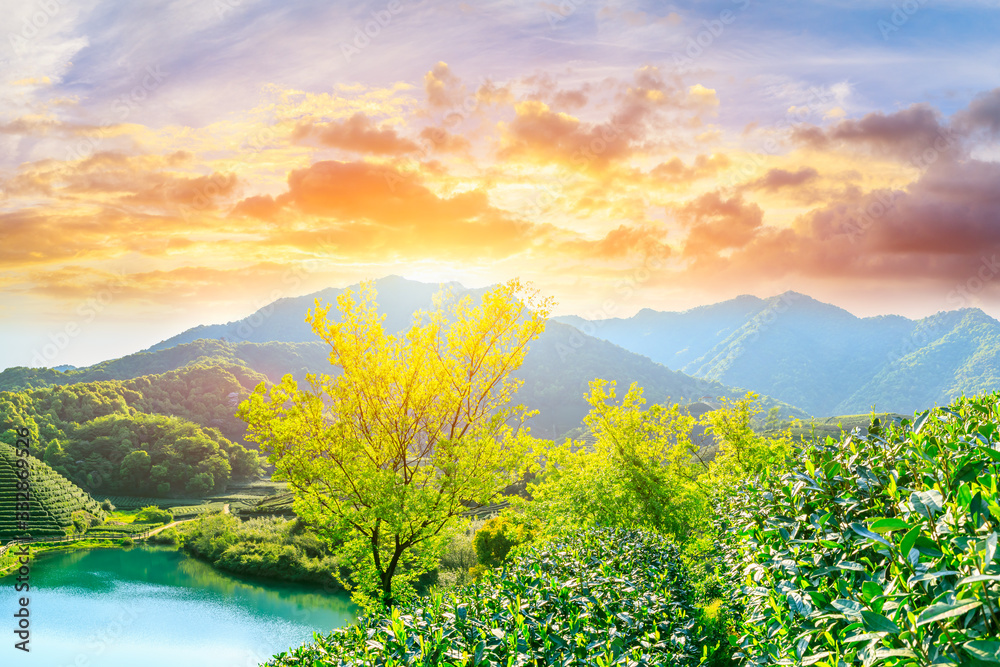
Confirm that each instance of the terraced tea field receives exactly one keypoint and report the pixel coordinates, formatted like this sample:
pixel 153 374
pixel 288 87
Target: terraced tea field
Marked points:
pixel 52 499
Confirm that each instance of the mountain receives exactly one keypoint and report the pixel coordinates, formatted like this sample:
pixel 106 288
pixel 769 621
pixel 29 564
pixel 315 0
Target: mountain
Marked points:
pixel 272 342
pixel 284 320
pixel 817 356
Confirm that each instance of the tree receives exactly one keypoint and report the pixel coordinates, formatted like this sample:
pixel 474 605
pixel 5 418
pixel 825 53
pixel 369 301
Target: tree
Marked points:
pixel 638 472
pixel 200 484
pixel 384 457
pixel 135 467
pixel 744 453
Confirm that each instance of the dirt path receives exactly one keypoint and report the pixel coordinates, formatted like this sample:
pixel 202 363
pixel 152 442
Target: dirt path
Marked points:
pixel 164 527
pixel 225 510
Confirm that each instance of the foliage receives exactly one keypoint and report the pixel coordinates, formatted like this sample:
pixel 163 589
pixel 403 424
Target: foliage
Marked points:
pixel 744 453
pixel 153 514
pixel 498 536
pixel 265 547
pixel 881 548
pixel 97 435
pixel 196 510
pixel 457 563
pixel 56 505
pixel 638 473
pixel 384 455
pixel 597 597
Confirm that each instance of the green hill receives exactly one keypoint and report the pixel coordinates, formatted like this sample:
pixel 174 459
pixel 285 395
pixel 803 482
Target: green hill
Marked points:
pixel 556 370
pixel 52 499
pixel 817 356
pixel 155 435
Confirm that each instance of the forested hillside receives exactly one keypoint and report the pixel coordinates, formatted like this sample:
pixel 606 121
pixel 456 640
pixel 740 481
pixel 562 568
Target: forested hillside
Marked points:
pixel 154 435
pixel 817 356
pixel 556 370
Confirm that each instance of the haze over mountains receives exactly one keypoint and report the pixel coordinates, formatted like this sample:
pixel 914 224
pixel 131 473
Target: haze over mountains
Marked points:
pixel 793 350
pixel 276 340
pixel 816 356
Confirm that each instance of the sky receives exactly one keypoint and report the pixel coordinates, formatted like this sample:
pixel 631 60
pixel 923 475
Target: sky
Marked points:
pixel 168 164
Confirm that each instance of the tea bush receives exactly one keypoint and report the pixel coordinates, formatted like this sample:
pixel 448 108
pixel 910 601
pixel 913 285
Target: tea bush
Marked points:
pixel 880 549
pixel 600 597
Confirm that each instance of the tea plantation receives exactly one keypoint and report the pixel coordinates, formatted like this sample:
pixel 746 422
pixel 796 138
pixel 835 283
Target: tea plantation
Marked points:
pixel 53 499
pixel 598 597
pixel 878 549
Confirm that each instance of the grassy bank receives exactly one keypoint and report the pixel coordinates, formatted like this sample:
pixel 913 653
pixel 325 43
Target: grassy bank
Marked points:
pixel 270 547
pixel 9 563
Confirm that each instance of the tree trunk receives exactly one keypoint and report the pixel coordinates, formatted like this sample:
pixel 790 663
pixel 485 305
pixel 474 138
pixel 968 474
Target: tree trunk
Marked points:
pixel 390 571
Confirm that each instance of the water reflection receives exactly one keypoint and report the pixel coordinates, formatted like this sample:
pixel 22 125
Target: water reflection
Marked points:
pixel 114 607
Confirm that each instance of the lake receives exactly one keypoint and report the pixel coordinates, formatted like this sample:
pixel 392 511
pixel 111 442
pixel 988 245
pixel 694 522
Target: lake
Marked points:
pixel 158 607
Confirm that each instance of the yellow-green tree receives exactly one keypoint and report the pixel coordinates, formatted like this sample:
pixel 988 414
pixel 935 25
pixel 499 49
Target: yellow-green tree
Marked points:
pixel 384 456
pixel 638 472
pixel 744 453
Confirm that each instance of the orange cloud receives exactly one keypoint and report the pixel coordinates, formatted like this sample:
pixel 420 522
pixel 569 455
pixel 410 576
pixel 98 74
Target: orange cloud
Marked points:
pixel 357 133
pixel 443 88
pixel 442 141
pixel 717 224
pixel 903 134
pixel 776 179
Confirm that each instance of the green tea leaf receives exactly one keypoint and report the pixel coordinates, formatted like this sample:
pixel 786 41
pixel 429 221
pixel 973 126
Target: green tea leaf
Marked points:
pixel 882 526
pixel 987 651
pixel 909 539
pixel 867 534
pixel 879 623
pixel 941 611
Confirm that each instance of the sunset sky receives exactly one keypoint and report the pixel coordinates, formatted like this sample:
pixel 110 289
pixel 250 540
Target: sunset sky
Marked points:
pixel 168 164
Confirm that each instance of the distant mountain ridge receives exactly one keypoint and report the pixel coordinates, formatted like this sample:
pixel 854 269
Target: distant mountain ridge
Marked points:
pixel 815 355
pixel 284 320
pixel 275 340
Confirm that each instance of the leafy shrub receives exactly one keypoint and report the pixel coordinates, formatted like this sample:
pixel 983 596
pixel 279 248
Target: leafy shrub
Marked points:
pixel 107 505
pixel 497 537
pixel 879 549
pixel 133 528
pixel 265 547
pixel 598 597
pixel 170 536
pixel 153 514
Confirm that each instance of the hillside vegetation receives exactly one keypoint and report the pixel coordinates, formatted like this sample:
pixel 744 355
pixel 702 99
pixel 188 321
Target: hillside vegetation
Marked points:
pixel 817 356
pixel 52 499
pixel 880 548
pixel 129 438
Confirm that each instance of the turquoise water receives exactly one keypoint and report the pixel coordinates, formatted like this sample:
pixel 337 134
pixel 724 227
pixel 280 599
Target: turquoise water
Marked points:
pixel 158 607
